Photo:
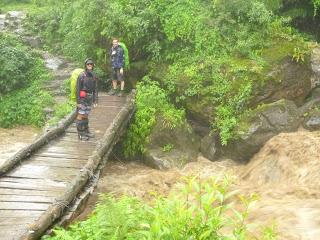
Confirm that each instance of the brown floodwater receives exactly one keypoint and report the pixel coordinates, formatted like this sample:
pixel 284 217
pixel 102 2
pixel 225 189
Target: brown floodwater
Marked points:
pixel 284 174
pixel 12 140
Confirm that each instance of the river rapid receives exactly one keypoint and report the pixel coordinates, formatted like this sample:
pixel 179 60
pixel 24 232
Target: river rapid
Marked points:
pixel 284 174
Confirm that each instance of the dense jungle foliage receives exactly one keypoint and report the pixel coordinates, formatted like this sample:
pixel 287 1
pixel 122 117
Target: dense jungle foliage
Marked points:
pixel 22 73
pixel 208 56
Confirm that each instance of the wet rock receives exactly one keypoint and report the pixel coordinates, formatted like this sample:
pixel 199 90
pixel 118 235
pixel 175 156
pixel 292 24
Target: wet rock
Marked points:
pixel 172 147
pixel 266 122
pixel 315 65
pixel 13 15
pixel 288 80
pixel 2 20
pixel 34 42
pixel 209 147
pixel 312 123
pixel 152 160
pixel 53 63
pixel 48 110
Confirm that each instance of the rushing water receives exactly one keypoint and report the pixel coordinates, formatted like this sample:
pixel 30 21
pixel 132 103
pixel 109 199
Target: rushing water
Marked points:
pixel 12 140
pixel 284 174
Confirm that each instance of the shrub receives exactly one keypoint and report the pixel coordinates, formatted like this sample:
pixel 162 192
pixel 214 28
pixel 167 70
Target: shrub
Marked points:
pixel 16 62
pixel 152 103
pixel 201 209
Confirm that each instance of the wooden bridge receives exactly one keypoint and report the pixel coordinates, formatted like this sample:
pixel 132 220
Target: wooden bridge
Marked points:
pixel 40 182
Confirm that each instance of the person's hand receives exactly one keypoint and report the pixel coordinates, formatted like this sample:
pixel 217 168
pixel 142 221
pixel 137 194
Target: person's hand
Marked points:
pixel 121 71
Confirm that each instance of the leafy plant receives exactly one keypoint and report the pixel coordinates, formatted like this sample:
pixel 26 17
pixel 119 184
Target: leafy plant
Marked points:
pixel 199 209
pixel 151 103
pixel 298 54
pixel 16 62
pixel 168 147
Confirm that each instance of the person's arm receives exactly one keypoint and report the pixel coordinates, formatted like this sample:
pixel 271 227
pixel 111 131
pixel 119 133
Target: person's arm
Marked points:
pixel 95 91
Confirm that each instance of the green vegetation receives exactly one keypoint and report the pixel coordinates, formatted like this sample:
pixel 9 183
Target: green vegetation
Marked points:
pixel 205 55
pixel 208 57
pixel 61 110
pixel 17 64
pixel 16 5
pixel 23 72
pixel 198 210
pixel 151 103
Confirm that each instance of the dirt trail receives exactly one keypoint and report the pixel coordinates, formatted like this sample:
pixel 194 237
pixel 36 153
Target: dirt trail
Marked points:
pixel 284 174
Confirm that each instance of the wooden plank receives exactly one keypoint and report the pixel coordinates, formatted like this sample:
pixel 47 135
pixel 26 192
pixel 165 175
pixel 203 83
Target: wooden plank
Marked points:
pixel 19 198
pixel 61 155
pixel 29 186
pixel 22 222
pixel 57 162
pixel 42 172
pixel 72 139
pixel 20 213
pixel 36 181
pixel 67 151
pixel 51 148
pixel 8 191
pixel 23 206
pixel 11 234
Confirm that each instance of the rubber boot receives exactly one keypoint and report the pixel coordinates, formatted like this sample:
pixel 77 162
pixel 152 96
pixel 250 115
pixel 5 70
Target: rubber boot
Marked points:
pixel 87 131
pixel 81 128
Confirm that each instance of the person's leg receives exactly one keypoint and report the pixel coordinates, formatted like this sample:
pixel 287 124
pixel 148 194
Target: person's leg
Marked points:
pixel 120 77
pixel 114 82
pixel 122 85
pixel 88 110
pixel 81 123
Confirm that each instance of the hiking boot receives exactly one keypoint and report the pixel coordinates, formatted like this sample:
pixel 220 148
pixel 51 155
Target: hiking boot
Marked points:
pixel 120 94
pixel 83 137
pixel 112 92
pixel 90 135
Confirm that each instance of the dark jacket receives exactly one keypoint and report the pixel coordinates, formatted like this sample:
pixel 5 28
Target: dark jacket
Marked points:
pixel 117 57
pixel 87 81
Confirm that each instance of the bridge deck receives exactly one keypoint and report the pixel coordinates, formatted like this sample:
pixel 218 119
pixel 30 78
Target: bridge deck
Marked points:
pixel 29 189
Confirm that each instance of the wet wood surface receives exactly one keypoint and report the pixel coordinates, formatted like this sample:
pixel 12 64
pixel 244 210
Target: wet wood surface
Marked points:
pixel 32 186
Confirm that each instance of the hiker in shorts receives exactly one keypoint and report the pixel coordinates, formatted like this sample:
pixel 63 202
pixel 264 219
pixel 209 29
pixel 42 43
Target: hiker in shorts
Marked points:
pixel 117 63
pixel 87 95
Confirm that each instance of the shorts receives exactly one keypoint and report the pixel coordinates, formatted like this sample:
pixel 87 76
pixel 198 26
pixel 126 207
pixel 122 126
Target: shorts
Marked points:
pixel 116 75
pixel 85 105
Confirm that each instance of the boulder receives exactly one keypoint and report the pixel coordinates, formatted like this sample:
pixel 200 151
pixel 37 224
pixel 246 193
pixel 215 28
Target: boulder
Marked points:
pixel 34 42
pixel 169 148
pixel 265 122
pixel 312 122
pixel 315 65
pixel 209 147
pixel 287 80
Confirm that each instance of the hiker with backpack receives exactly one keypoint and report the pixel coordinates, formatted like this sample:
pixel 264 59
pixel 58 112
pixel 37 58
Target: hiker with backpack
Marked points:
pixel 87 94
pixel 117 57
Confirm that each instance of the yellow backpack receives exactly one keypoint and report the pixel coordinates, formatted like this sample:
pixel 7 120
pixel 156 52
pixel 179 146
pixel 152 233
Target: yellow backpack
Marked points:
pixel 73 83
